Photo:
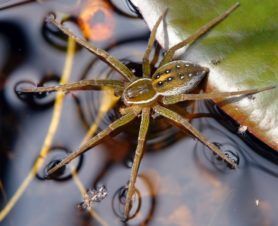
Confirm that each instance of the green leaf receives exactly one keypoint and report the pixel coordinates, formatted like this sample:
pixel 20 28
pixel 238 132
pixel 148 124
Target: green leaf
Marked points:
pixel 241 52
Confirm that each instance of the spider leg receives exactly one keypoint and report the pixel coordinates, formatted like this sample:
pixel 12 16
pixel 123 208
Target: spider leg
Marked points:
pixel 137 158
pixel 203 96
pixel 102 54
pixel 80 85
pixel 97 138
pixel 156 55
pixel 179 120
pixel 201 31
pixel 146 61
pixel 125 110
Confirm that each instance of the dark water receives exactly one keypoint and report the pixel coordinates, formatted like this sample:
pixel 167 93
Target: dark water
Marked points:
pixel 180 181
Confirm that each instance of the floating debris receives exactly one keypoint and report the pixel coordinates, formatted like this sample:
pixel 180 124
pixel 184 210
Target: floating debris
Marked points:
pixel 93 196
pixel 242 129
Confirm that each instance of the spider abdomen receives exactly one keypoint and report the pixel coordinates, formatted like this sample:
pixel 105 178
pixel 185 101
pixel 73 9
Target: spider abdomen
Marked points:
pixel 177 77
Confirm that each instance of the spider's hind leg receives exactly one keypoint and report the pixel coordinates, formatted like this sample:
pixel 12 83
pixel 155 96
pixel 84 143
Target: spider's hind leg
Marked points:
pixel 205 96
pixel 97 138
pixel 179 120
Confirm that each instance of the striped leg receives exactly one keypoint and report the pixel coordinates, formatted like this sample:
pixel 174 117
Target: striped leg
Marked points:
pixel 201 31
pixel 102 54
pixel 81 85
pixel 146 61
pixel 179 120
pixel 205 96
pixel 137 159
pixel 96 139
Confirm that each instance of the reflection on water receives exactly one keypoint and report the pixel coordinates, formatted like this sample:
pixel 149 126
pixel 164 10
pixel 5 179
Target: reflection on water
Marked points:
pixel 180 183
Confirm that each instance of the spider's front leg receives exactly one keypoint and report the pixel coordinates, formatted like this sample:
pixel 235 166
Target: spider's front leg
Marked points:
pixel 102 54
pixel 213 95
pixel 146 61
pixel 118 86
pixel 200 32
pixel 179 120
pixel 137 158
pixel 128 117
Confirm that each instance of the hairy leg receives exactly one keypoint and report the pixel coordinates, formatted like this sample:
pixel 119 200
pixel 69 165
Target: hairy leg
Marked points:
pixel 102 54
pixel 96 139
pixel 179 120
pixel 137 158
pixel 201 31
pixel 146 61
pixel 156 54
pixel 81 85
pixel 204 96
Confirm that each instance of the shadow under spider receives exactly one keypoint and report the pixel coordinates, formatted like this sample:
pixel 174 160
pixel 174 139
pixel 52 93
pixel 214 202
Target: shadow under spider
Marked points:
pixel 169 84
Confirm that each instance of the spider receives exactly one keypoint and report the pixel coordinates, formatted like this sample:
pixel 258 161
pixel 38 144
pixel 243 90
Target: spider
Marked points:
pixel 169 84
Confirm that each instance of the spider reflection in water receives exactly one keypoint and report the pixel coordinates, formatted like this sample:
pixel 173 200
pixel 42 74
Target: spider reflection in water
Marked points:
pixel 169 84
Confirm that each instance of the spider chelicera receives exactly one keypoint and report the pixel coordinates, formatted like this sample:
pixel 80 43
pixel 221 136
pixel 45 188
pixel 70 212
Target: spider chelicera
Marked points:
pixel 170 84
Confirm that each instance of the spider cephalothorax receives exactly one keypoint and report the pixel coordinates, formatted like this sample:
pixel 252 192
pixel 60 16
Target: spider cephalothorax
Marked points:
pixel 170 84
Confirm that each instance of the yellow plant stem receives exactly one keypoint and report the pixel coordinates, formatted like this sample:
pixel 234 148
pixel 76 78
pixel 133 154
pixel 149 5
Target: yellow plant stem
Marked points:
pixel 50 134
pixel 108 100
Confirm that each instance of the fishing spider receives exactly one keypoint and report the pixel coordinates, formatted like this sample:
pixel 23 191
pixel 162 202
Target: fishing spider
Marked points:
pixel 170 84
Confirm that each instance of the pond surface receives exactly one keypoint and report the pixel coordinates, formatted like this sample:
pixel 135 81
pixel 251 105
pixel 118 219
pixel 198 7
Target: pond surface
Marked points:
pixel 180 181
